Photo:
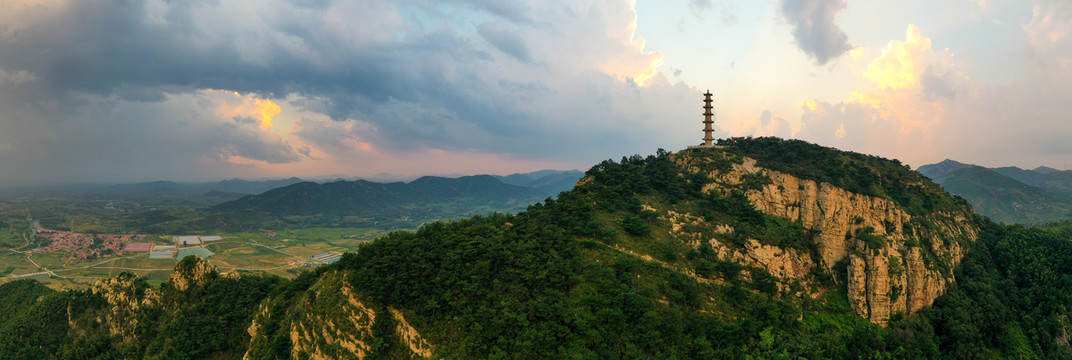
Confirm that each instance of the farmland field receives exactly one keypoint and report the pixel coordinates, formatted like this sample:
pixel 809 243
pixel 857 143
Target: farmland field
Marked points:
pixel 283 253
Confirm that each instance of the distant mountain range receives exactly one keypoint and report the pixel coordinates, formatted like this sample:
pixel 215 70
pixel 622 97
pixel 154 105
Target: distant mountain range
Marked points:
pixel 544 181
pixel 152 194
pixel 430 196
pixel 1007 194
pixel 547 182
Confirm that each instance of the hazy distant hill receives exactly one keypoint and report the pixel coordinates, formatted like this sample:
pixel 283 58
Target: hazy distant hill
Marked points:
pixel 1045 170
pixel 938 170
pixel 1007 194
pixel 1042 176
pixel 548 181
pixel 248 186
pixel 152 190
pixel 171 188
pixel 479 193
pixel 1029 177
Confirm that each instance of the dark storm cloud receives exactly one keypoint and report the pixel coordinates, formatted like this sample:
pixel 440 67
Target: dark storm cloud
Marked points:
pixel 110 48
pixel 109 139
pixel 815 29
pixel 411 74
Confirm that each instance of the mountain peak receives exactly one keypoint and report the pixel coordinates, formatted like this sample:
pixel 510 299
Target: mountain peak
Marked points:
pixel 1045 170
pixel 760 204
pixel 940 169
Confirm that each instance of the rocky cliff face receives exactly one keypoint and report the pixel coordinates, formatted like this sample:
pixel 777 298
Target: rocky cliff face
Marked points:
pixel 191 272
pixel 124 298
pixel 894 262
pixel 330 321
pixel 327 320
pixel 127 296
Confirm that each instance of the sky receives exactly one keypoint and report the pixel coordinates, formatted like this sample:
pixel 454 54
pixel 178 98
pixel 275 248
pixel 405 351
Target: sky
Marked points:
pixel 198 90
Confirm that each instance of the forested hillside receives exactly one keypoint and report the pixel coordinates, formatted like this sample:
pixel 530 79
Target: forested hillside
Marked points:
pixel 666 256
pixel 365 198
pixel 1007 194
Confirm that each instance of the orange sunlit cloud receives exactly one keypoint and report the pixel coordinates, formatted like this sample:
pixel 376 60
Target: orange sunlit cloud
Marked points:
pixel 266 109
pixel 243 105
pixel 641 68
pixel 899 66
pixel 353 143
pixel 897 73
pixel 840 132
pixel 241 160
pixel 638 65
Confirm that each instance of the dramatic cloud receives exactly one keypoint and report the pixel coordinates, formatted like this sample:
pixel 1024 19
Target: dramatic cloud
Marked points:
pixel 202 133
pixel 289 81
pixel 912 88
pixel 903 62
pixel 130 90
pixel 815 29
pixel 921 106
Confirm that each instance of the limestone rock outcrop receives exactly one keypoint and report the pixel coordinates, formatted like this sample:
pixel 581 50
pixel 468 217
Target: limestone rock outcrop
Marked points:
pixel 194 271
pixel 124 298
pixel 894 263
pixel 330 321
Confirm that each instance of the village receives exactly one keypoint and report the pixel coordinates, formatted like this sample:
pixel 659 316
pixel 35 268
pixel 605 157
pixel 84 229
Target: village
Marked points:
pixel 82 247
pixel 86 247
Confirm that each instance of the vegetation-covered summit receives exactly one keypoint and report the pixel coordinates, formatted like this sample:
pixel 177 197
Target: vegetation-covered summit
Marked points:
pixel 855 172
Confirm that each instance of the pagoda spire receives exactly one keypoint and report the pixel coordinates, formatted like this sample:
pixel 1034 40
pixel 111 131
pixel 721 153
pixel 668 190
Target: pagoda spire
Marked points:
pixel 708 121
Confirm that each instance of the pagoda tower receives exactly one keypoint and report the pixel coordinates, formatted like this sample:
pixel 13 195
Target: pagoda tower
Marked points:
pixel 708 138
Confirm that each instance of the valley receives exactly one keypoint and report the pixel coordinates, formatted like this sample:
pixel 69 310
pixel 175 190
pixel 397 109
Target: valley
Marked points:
pixel 69 237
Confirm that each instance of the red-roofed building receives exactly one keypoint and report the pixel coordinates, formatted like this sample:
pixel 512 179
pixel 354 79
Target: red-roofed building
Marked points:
pixel 138 247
